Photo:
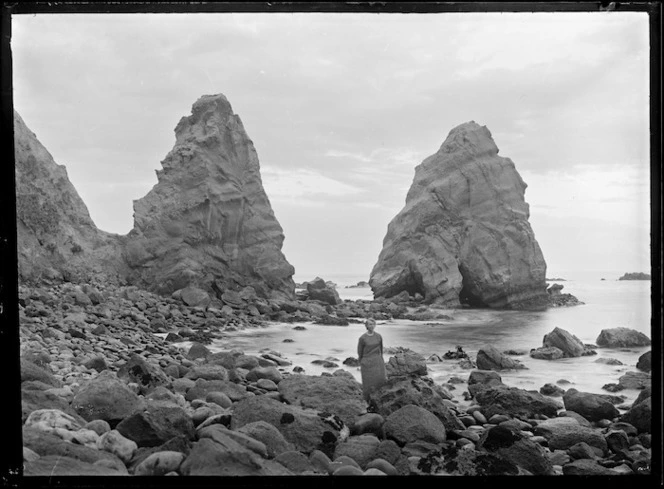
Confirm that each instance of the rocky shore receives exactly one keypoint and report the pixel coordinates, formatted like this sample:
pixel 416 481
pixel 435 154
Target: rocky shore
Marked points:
pixel 119 381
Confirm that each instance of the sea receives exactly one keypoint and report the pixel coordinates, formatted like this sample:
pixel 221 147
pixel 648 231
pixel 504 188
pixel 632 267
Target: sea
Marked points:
pixel 608 303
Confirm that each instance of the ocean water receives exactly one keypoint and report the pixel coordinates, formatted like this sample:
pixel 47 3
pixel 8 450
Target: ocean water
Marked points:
pixel 609 303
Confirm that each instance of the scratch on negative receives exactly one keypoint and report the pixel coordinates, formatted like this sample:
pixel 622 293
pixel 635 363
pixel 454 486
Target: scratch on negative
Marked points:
pixel 54 466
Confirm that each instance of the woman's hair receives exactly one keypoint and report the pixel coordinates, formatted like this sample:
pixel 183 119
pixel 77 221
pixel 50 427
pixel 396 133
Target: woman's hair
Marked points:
pixel 370 320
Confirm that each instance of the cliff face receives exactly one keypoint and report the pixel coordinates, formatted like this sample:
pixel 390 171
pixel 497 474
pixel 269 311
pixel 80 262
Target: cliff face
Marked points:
pixel 208 221
pixel 463 236
pixel 55 235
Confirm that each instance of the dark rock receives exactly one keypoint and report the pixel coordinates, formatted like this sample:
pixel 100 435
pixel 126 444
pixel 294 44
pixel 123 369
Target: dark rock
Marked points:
pixel 562 433
pixel 640 416
pixel 406 363
pixel 569 344
pixel 547 353
pixel 481 379
pixel 515 402
pixel 328 320
pixel 514 447
pixel 399 392
pixel 304 428
pixel 223 456
pixel 339 395
pixel 621 338
pixel 635 276
pixel 490 358
pixel 158 424
pixel 644 363
pixel 551 390
pixel 591 406
pixel 635 380
pixel 319 290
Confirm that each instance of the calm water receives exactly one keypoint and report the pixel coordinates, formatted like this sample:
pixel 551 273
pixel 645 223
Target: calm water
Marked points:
pixel 608 304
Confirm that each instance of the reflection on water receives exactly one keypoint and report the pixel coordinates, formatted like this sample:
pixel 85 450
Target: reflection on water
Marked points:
pixel 608 305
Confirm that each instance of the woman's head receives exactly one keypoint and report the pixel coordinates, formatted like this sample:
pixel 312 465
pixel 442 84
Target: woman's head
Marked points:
pixel 370 324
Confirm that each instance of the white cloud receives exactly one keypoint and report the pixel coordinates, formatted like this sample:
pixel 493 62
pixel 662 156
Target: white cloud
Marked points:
pixel 301 184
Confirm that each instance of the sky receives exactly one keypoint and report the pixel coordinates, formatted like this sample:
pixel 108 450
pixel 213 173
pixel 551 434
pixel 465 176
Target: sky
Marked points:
pixel 342 107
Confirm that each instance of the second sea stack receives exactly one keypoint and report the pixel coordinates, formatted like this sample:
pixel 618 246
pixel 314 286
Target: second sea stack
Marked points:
pixel 208 221
pixel 463 236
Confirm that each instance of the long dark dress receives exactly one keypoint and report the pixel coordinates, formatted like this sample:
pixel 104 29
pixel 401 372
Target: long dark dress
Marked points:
pixel 372 365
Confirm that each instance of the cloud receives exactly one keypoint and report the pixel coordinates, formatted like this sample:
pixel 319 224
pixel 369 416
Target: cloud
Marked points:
pixel 303 186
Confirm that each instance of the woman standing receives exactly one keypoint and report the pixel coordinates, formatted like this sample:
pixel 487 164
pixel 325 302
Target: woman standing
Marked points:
pixel 370 355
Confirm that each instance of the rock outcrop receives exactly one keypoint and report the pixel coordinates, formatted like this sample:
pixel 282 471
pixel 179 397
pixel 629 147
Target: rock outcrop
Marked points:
pixel 207 224
pixel 56 237
pixel 208 221
pixel 463 236
pixel 635 276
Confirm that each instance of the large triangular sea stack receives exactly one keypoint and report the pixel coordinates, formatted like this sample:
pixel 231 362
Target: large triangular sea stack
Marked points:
pixel 208 221
pixel 463 236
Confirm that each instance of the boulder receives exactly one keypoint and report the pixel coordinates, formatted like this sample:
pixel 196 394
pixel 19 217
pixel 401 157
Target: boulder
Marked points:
pixel 640 416
pixel 207 372
pixel 561 433
pixel 146 375
pixel 45 444
pixel 406 363
pixel 413 423
pixel 635 380
pixel 113 442
pixel 361 449
pixel 202 388
pixel 368 423
pixel 160 463
pixel 621 338
pixel 463 235
pixel 399 392
pixel 222 456
pixel 339 395
pixel 511 445
pixel 269 435
pixel 593 407
pixel 490 358
pixel 156 425
pixel 644 362
pixel 515 402
pixel 547 353
pixel 570 345
pixel 194 297
pixel 481 379
pixel 51 419
pixel 271 373
pixel 319 290
pixel 31 372
pixel 106 397
pixel 306 429
pixel 296 462
pixel 208 222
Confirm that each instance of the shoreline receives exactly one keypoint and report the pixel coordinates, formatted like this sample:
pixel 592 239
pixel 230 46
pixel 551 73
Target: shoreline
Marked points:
pixel 69 342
